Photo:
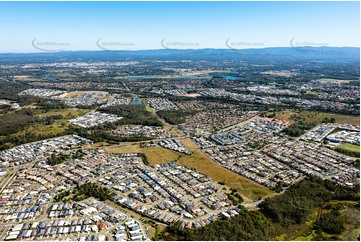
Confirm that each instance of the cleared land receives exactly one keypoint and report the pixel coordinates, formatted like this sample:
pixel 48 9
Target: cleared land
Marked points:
pixel 24 78
pixel 194 95
pixel 81 93
pixel 317 117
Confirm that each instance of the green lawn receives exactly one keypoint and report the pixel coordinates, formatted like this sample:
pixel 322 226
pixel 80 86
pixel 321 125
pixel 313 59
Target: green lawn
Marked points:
pixel 350 147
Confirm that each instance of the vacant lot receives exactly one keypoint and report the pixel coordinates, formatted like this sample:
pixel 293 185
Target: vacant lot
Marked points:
pixel 24 78
pixel 81 93
pixel 132 148
pixel 317 117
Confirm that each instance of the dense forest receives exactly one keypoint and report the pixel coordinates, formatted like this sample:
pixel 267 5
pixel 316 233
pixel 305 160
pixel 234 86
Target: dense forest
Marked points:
pixel 12 123
pixel 9 90
pixel 349 153
pixel 56 159
pixel 175 116
pixel 84 191
pixel 133 114
pixel 298 129
pixel 90 189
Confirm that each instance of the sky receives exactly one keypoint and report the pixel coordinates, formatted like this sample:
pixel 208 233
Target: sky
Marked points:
pixel 54 26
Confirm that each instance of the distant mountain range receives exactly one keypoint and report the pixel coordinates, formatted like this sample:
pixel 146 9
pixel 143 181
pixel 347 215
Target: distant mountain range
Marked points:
pixel 265 55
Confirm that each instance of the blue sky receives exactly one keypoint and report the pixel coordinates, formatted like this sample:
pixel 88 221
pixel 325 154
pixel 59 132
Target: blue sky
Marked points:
pixel 143 25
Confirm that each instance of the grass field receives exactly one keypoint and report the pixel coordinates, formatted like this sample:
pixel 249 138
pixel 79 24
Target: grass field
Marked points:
pixel 198 160
pixel 350 147
pixel 159 155
pixel 67 113
pixel 133 148
pixel 317 117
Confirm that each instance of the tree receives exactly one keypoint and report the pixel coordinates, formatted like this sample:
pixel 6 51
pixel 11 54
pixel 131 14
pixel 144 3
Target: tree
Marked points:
pixel 330 223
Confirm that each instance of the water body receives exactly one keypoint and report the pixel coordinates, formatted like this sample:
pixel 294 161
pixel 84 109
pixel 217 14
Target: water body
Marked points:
pixel 52 79
pixel 226 75
pixel 187 77
pixel 136 101
pixel 48 77
pixel 230 78
pixel 138 77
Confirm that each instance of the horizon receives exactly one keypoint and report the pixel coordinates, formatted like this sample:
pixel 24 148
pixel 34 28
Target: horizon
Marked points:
pixel 91 26
pixel 160 49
